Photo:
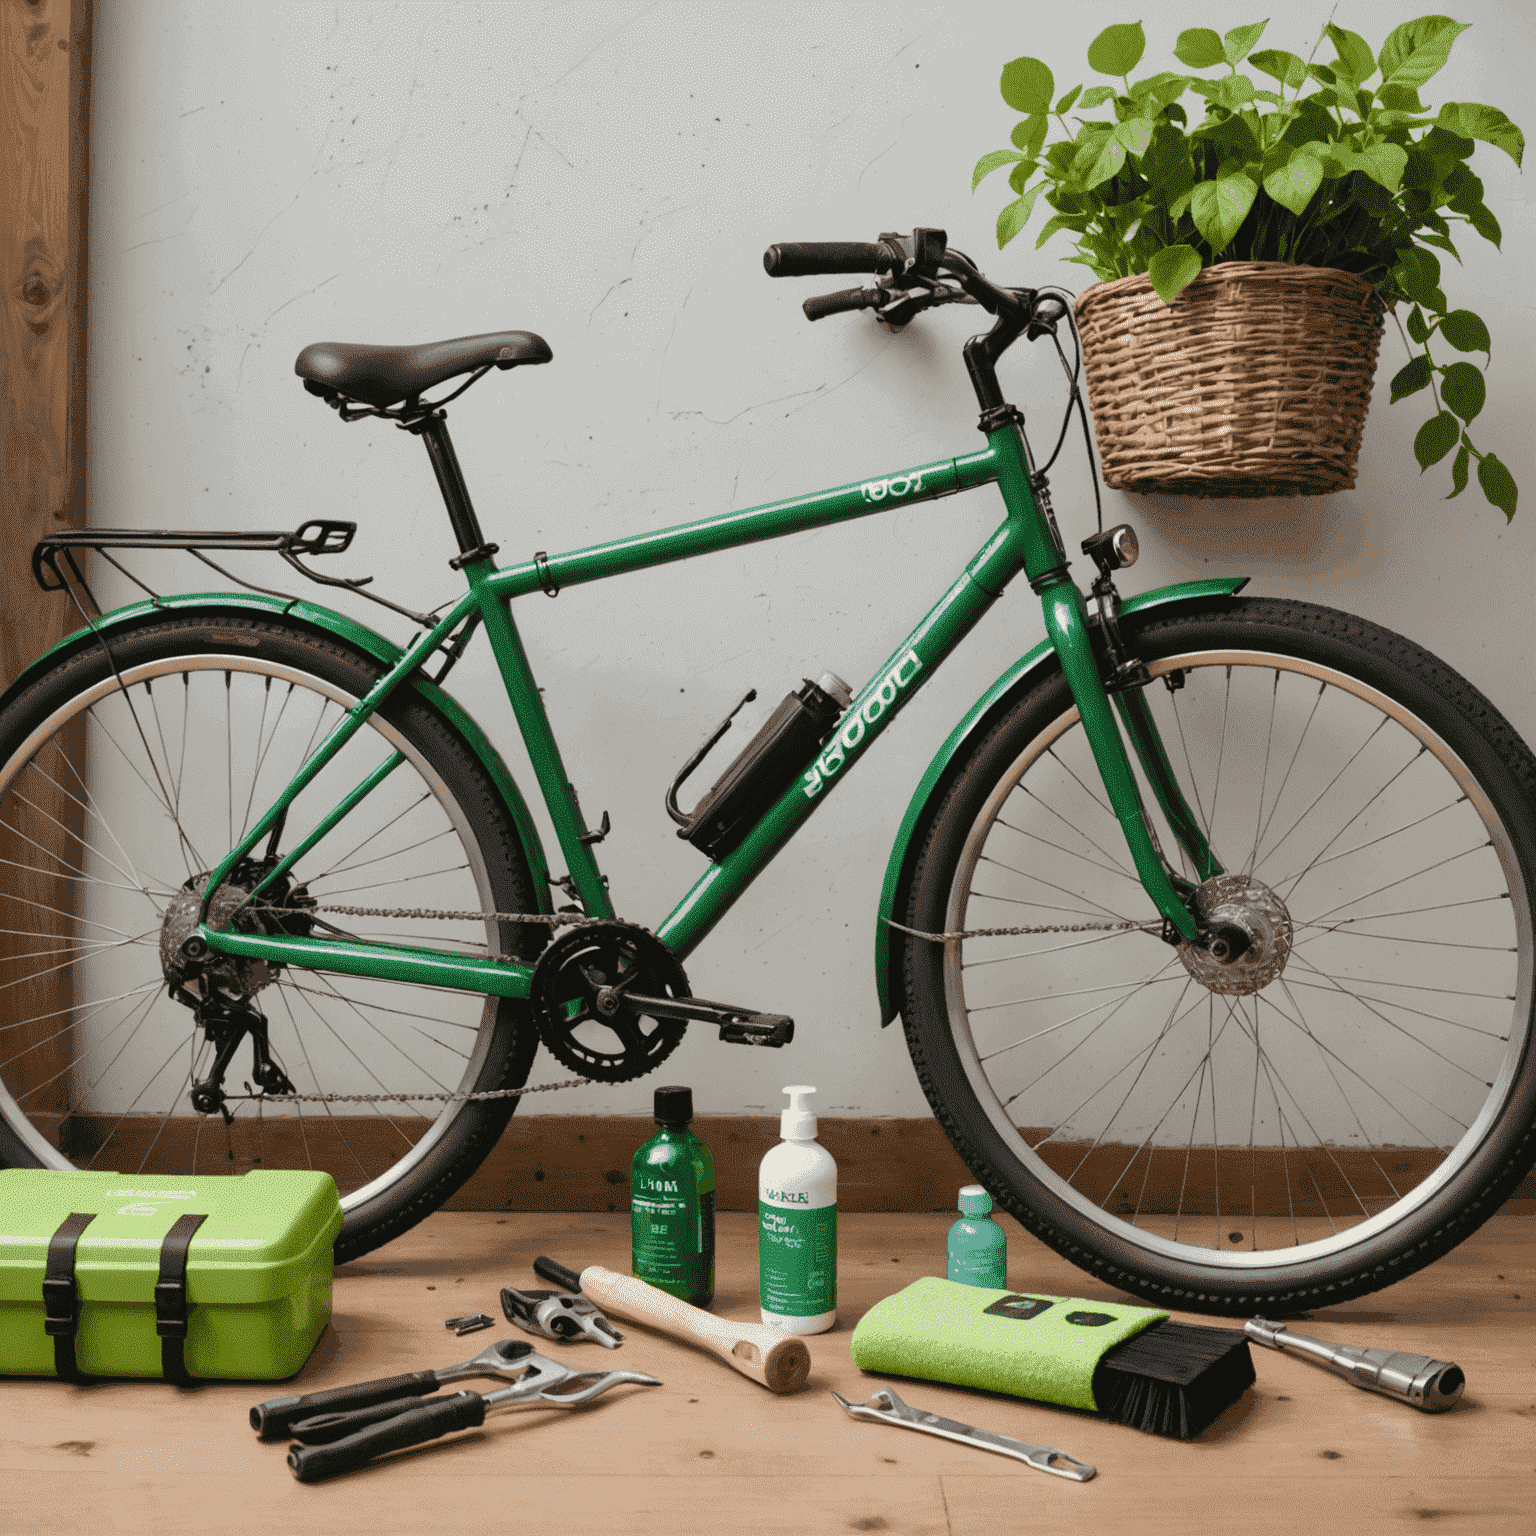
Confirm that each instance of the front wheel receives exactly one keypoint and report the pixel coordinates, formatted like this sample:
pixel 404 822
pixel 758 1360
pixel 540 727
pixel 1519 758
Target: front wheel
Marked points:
pixel 1342 1104
pixel 123 782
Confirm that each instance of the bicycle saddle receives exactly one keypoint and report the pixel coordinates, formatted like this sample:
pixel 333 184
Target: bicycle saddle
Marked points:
pixel 382 376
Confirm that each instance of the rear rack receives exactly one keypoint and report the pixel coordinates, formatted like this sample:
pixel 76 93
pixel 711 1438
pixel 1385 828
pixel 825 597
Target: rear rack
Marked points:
pixel 56 569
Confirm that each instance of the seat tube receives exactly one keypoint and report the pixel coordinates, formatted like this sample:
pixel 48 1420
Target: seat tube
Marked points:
pixel 1066 623
pixel 543 751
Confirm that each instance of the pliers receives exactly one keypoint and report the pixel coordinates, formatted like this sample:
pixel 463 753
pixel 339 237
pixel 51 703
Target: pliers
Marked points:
pixel 344 1427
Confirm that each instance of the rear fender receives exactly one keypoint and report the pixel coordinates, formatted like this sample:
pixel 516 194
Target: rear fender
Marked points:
pixel 320 620
pixel 993 704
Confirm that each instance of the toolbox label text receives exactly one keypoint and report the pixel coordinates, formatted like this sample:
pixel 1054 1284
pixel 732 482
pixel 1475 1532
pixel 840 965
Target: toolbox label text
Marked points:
pixel 855 726
pixel 152 1194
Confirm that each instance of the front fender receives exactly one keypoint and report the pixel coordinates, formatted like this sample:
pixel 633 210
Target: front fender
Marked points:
pixel 313 616
pixel 995 702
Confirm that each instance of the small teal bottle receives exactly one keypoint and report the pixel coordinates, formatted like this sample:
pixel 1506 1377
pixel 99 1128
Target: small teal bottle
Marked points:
pixel 978 1247
pixel 672 1205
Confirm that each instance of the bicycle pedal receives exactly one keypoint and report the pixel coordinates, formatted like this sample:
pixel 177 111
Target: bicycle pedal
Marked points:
pixel 773 1029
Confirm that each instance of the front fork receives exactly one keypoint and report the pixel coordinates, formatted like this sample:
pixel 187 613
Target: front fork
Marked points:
pixel 1066 622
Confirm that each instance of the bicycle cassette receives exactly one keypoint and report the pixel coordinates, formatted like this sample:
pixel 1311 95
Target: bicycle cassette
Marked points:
pixel 578 1000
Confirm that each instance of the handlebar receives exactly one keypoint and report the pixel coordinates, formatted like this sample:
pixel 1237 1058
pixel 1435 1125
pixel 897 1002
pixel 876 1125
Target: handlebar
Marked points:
pixel 815 258
pixel 837 303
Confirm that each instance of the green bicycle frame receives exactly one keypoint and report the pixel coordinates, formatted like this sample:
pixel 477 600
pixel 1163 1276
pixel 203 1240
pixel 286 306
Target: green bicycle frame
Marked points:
pixel 1026 541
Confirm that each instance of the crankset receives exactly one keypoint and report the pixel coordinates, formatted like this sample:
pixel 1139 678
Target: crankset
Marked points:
pixel 611 1001
pixel 580 1005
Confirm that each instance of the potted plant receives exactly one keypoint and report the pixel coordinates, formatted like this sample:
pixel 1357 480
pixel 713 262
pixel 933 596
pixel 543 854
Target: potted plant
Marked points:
pixel 1236 243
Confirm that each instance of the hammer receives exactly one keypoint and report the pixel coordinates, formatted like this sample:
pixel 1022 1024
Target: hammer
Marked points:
pixel 778 1360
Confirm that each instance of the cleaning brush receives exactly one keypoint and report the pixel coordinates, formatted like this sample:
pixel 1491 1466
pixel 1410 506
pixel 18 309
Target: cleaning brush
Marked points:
pixel 1134 1365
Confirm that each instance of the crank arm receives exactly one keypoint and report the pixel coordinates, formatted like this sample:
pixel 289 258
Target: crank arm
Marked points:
pixel 738 1026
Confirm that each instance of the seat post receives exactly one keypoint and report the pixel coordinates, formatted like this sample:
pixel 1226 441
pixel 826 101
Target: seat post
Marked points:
pixel 433 430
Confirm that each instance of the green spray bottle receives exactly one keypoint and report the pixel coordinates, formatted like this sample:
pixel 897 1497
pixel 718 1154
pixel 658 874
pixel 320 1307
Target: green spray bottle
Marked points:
pixel 672 1205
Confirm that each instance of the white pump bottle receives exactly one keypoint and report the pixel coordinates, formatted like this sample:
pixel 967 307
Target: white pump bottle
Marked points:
pixel 797 1225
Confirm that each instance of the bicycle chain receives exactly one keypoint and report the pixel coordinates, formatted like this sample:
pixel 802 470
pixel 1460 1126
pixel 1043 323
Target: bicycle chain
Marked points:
pixel 564 919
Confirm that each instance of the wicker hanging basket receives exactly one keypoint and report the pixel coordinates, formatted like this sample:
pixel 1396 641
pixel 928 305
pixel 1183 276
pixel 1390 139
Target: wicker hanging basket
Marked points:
pixel 1254 382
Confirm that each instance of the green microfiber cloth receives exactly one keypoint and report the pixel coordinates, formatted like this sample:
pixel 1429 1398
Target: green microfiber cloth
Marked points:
pixel 1044 1347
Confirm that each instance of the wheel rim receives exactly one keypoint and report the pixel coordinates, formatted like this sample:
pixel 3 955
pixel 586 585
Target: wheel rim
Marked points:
pixel 1358 1082
pixel 92 859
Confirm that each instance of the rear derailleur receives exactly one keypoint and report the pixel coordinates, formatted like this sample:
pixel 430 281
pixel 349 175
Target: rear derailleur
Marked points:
pixel 226 1022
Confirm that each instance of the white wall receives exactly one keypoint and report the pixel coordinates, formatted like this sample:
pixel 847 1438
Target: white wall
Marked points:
pixel 608 175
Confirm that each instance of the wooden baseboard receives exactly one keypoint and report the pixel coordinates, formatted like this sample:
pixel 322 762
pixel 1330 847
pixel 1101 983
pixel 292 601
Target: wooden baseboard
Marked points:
pixel 581 1163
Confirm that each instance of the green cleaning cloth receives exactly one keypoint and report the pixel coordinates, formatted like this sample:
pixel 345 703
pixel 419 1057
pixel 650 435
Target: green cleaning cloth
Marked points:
pixel 1044 1347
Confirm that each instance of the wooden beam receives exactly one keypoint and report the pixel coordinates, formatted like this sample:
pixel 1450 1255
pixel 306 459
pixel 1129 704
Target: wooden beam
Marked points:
pixel 44 181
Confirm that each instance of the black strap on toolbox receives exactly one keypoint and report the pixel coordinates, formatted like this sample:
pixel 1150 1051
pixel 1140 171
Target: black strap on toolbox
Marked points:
pixel 171 1300
pixel 61 1300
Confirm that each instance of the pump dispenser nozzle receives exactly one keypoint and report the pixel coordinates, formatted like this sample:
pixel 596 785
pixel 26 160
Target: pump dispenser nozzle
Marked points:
pixel 798 1122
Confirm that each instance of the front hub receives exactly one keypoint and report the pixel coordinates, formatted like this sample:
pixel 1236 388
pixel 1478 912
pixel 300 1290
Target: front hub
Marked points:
pixel 1248 935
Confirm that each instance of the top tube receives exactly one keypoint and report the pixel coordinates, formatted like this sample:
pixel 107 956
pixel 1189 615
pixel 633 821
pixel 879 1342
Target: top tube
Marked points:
pixel 926 482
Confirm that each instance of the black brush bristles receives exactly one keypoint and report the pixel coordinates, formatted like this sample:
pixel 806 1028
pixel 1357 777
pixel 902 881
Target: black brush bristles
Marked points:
pixel 1174 1378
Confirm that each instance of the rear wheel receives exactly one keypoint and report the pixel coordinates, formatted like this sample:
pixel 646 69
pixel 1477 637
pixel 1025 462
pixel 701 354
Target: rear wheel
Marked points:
pixel 121 786
pixel 1343 1103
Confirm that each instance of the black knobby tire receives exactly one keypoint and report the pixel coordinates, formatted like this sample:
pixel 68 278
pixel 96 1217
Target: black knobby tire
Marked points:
pixel 216 716
pixel 1376 821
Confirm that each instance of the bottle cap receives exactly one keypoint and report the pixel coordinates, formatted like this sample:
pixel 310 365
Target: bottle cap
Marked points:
pixel 674 1106
pixel 975 1201
pixel 798 1122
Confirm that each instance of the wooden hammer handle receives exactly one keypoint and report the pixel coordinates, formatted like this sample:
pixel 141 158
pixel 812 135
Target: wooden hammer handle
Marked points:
pixel 776 1359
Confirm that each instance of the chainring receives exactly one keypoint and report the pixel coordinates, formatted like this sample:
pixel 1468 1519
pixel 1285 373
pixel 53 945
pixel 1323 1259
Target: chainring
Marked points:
pixel 570 990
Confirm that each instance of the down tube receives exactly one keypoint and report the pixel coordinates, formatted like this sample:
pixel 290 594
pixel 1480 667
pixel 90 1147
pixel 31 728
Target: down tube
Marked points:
pixel 882 698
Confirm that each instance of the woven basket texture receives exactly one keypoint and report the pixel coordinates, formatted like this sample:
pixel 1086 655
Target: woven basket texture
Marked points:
pixel 1254 382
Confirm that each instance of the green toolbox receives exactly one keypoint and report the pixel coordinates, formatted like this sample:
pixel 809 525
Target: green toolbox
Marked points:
pixel 203 1277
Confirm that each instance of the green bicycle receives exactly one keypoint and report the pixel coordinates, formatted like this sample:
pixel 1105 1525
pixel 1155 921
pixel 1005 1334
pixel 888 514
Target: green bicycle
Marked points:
pixel 1210 925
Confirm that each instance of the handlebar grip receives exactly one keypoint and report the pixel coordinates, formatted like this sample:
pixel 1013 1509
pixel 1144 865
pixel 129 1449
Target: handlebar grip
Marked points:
pixel 836 303
pixel 277 1415
pixel 464 1410
pixel 812 258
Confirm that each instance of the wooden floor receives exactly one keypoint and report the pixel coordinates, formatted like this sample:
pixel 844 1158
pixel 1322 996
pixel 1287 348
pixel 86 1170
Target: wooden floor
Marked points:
pixel 711 1452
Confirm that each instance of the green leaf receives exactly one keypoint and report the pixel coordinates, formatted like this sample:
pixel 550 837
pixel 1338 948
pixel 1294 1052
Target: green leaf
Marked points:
pixel 1075 222
pixel 1065 104
pixel 1282 66
pixel 1172 270
pixel 1117 50
pixel 1200 48
pixel 1459 471
pixel 1293 181
pixel 1135 134
pixel 1106 164
pixel 1240 39
pixel 1417 49
pixel 1354 54
pixel 1097 95
pixel 1018 177
pixel 1232 92
pixel 1466 332
pixel 1027 85
pixel 1498 485
pixel 989 163
pixel 1220 206
pixel 1412 378
pixel 1164 89
pixel 1399 98
pixel 1418 327
pixel 1418 274
pixel 1439 241
pixel 1384 164
pixel 1463 390
pixel 1029 135
pixel 1485 224
pixel 1471 120
pixel 1435 439
pixel 1015 216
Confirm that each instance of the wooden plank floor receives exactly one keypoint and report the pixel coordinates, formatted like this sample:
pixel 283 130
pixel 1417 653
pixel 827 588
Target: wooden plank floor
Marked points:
pixel 711 1452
